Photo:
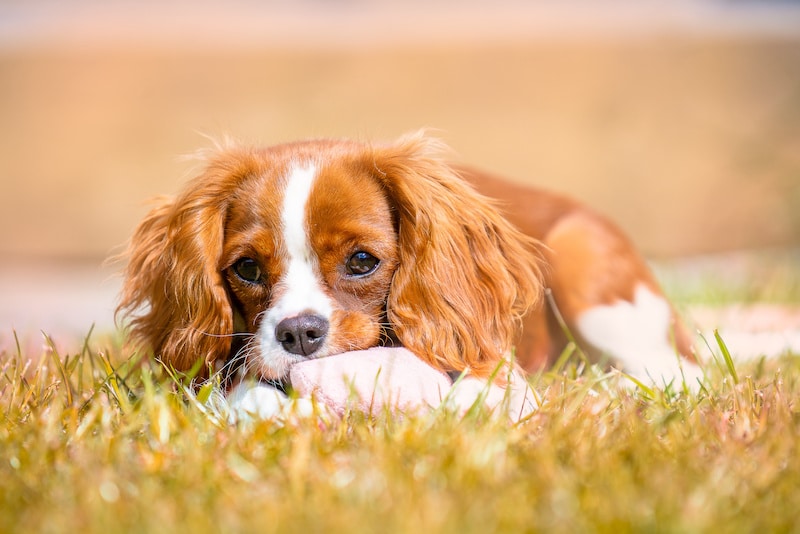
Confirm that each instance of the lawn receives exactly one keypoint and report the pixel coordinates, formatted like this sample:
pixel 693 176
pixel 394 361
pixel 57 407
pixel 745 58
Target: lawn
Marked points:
pixel 98 441
pixel 90 442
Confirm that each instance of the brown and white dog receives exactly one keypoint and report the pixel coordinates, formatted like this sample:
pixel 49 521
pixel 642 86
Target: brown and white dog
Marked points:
pixel 314 248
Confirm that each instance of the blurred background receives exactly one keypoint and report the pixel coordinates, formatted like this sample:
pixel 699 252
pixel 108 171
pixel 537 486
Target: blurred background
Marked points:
pixel 680 119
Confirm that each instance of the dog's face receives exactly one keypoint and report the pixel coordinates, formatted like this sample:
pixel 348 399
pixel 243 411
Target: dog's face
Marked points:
pixel 308 259
pixel 316 248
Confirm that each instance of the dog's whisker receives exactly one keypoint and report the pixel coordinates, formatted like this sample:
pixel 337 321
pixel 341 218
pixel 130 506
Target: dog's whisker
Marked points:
pixel 241 357
pixel 260 316
pixel 221 336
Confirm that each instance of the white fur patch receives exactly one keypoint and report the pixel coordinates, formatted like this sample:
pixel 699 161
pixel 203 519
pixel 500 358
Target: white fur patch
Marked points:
pixel 637 336
pixel 254 401
pixel 300 287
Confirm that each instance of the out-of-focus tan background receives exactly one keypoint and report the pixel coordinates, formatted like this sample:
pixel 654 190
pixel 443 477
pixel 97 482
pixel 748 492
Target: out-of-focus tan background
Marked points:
pixel 679 119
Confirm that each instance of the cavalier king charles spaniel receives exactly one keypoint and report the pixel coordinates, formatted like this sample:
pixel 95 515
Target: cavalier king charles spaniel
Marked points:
pixel 272 256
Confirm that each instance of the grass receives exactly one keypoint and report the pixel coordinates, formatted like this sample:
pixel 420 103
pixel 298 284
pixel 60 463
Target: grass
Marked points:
pixel 759 276
pixel 90 442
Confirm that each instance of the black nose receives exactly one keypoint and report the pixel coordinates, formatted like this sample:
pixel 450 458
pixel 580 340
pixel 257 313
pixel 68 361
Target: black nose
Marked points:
pixel 302 334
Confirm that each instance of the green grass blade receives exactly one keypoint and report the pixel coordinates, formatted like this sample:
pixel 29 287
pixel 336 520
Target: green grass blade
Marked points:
pixel 726 356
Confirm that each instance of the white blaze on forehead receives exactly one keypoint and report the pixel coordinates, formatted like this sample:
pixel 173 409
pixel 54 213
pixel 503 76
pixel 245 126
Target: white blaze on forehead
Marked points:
pixel 293 216
pixel 299 289
pixel 302 288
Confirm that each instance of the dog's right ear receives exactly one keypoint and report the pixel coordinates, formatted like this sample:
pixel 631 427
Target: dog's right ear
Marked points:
pixel 173 292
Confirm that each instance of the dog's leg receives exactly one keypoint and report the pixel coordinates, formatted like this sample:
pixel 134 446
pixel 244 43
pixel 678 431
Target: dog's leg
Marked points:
pixel 638 336
pixel 610 300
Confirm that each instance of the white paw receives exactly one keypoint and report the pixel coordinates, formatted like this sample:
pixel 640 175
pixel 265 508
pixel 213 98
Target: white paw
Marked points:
pixel 255 401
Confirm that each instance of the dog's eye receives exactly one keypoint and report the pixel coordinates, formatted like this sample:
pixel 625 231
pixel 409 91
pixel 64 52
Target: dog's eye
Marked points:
pixel 361 263
pixel 248 270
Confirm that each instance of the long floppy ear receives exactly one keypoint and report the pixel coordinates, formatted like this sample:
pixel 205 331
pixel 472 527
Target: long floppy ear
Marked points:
pixel 173 290
pixel 466 276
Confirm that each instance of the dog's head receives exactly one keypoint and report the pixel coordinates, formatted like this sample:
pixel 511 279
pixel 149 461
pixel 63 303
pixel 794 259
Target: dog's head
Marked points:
pixel 319 247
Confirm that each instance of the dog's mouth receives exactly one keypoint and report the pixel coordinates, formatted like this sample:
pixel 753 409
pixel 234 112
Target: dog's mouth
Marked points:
pixel 283 385
pixel 235 368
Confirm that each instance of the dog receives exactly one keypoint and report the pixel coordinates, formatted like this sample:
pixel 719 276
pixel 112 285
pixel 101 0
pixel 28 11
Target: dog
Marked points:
pixel 272 256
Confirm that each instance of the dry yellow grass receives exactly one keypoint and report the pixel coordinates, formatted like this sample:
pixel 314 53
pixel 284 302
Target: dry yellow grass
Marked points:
pixel 93 448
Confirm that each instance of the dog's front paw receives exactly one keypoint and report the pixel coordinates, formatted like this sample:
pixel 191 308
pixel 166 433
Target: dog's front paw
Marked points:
pixel 255 400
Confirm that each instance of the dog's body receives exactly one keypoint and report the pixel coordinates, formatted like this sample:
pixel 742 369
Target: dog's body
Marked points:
pixel 315 248
pixel 602 292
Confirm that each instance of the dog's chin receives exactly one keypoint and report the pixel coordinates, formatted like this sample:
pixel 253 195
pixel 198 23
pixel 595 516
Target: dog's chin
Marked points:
pixel 274 363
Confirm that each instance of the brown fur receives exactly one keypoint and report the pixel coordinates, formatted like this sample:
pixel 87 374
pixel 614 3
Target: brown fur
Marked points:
pixel 466 276
pixel 589 262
